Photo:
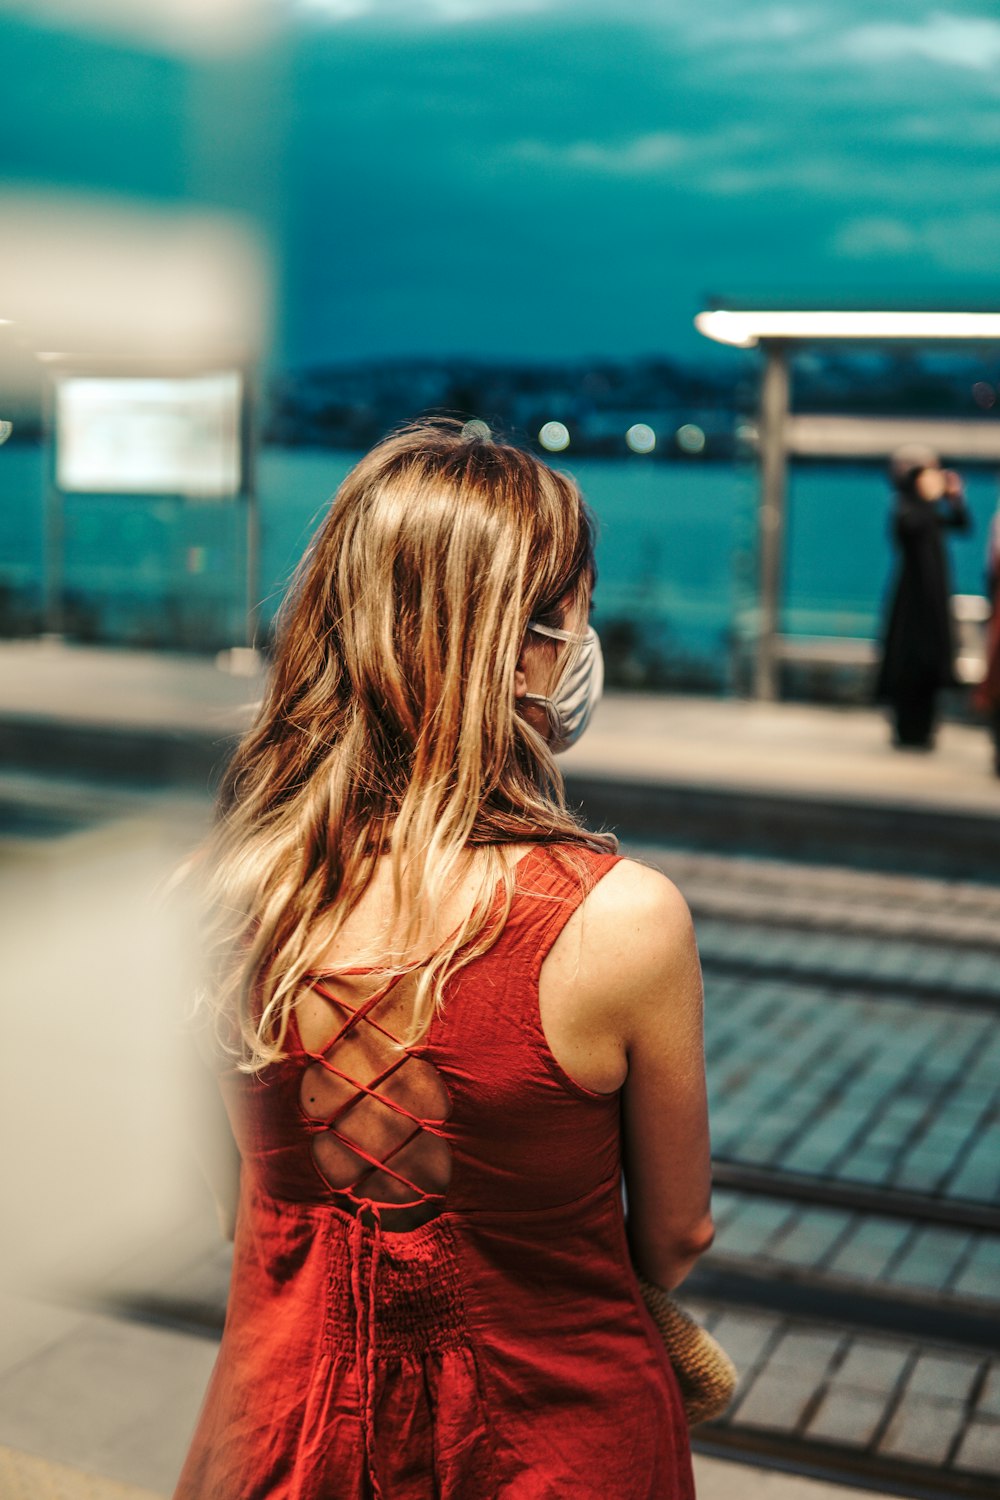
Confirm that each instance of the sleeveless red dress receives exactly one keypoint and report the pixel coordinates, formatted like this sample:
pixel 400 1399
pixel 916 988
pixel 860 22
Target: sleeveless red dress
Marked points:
pixel 501 1350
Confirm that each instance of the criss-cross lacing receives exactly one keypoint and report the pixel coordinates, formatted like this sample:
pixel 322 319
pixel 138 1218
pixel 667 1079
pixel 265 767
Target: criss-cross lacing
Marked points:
pixel 349 1165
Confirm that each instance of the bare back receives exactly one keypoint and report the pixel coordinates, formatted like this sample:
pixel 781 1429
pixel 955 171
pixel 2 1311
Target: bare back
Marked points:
pixel 589 1053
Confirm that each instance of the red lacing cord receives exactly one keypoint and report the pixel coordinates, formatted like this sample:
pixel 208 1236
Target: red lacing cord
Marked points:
pixel 365 1307
pixel 364 1332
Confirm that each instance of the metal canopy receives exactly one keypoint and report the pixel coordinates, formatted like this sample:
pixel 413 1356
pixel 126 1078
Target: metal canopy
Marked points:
pixel 747 329
pixel 780 332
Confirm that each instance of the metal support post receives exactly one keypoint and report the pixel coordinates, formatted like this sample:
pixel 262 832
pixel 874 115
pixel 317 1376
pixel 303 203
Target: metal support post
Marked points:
pixel 771 517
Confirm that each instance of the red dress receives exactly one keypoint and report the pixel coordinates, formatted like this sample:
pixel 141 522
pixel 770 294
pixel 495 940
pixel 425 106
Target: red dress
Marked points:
pixel 499 1351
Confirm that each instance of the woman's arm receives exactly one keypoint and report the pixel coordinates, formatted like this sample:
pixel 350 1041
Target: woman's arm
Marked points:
pixel 953 511
pixel 641 957
pixel 955 514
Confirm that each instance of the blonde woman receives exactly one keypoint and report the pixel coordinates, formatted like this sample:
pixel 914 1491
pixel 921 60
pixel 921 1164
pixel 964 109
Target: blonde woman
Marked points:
pixel 453 1016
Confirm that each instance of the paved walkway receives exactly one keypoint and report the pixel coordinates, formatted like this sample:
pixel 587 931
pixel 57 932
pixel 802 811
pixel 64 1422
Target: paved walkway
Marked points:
pixel 90 685
pixel 879 1396
pixel 794 750
pixel 905 913
pixel 864 1088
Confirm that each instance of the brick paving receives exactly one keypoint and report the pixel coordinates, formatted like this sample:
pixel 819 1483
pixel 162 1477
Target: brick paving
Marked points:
pixel 878 1091
pixel 851 1033
pixel 833 900
pixel 871 1394
pixel 885 1090
pixel 841 1246
pixel 874 963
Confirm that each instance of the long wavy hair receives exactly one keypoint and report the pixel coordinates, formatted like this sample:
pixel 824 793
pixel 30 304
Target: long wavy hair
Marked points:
pixel 390 724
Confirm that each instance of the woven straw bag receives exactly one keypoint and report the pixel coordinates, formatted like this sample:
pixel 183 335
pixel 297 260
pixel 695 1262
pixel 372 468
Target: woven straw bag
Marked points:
pixel 705 1373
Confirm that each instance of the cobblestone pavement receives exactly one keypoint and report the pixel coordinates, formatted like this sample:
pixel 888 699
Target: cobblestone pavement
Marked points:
pixel 826 1081
pixel 853 1037
pixel 902 1406
pixel 900 1401
pixel 873 964
pixel 843 1248
pixel 857 1038
pixel 833 899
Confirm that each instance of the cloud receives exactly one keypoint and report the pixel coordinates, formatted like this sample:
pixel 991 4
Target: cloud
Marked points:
pixel 649 154
pixel 758 29
pixel 641 155
pixel 966 244
pixel 416 11
pixel 958 127
pixel 856 171
pixel 873 237
pixel 781 42
pixel 704 146
pixel 969 42
pixel 772 23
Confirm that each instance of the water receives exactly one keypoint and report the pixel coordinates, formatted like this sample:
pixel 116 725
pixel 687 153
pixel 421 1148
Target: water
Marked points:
pixel 675 554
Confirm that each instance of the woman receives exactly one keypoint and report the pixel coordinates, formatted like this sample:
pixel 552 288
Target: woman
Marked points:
pixel 919 651
pixel 452 1014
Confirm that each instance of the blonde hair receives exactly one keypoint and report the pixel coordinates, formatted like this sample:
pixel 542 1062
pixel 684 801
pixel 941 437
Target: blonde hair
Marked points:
pixel 390 721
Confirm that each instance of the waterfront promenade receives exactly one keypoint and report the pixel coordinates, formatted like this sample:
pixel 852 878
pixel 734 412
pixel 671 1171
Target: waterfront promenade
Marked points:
pixel 851 999
pixel 829 755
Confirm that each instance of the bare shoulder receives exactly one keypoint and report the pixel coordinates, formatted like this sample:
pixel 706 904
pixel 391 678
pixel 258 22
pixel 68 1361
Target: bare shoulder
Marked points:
pixel 630 938
pixel 632 888
pixel 623 969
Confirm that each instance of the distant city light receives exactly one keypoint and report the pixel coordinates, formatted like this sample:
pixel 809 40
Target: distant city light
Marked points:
pixel 745 329
pixel 641 438
pixel 690 439
pixel 984 395
pixel 6 428
pixel 554 437
pixel 746 432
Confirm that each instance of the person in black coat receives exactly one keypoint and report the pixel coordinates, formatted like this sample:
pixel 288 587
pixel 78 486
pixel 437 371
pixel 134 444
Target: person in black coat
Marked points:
pixel 918 656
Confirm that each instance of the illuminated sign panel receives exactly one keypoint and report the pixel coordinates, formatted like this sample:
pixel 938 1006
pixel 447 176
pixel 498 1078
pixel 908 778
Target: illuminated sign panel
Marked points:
pixel 149 436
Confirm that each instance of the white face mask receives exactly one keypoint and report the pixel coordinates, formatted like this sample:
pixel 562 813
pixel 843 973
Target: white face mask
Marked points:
pixel 577 688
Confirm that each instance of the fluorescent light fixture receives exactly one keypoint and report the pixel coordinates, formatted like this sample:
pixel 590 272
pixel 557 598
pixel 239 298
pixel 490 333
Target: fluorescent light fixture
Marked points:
pixel 746 329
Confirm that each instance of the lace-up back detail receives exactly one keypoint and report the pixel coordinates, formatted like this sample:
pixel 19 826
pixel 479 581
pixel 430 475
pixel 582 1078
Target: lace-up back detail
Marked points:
pixel 376 1113
pixel 384 1344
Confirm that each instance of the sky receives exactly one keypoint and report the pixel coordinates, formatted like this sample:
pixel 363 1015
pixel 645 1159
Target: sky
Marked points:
pixel 542 180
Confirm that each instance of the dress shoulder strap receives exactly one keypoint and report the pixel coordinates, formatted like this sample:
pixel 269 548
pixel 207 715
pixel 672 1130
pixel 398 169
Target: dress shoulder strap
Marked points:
pixel 552 884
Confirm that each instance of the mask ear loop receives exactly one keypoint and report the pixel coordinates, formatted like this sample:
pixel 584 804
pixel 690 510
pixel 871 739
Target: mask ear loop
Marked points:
pixel 576 639
pixel 558 635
